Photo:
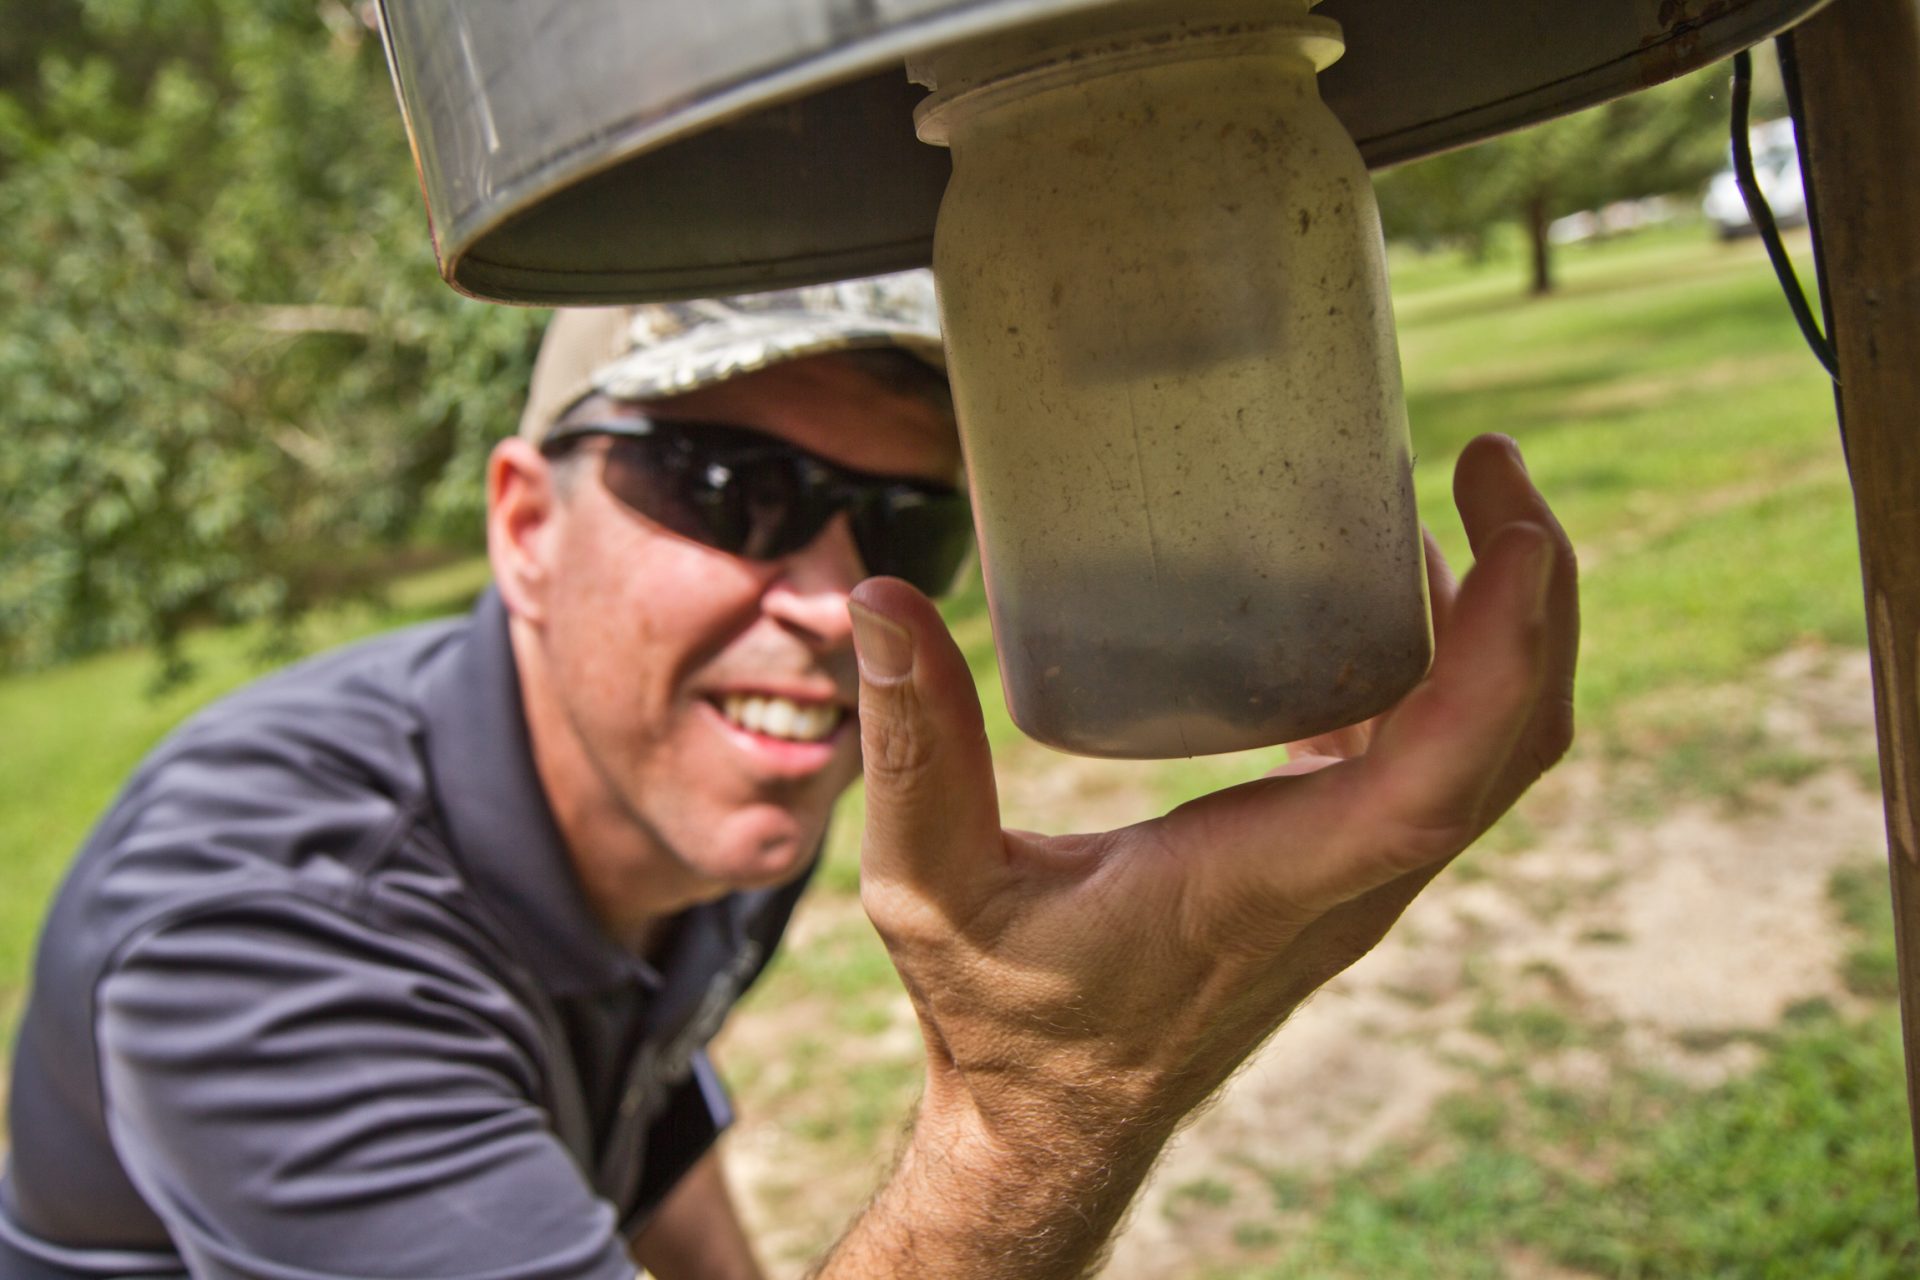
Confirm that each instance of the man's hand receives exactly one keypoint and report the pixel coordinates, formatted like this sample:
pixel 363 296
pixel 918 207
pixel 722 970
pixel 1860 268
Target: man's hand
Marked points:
pixel 1080 994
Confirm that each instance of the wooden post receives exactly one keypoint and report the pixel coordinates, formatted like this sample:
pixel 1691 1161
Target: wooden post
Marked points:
pixel 1859 74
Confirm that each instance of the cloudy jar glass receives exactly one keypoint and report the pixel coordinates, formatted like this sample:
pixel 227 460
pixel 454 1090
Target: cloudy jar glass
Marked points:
pixel 1164 293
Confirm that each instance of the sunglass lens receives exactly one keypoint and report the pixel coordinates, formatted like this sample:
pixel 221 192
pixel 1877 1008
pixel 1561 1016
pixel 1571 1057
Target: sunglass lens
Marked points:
pixel 679 490
pixel 763 504
pixel 782 515
pixel 924 539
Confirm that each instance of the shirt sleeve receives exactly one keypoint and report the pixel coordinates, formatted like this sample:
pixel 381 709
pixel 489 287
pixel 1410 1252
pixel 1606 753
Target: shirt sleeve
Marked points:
pixel 297 1093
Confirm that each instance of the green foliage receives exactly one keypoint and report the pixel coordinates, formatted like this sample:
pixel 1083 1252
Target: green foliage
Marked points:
pixel 1667 139
pixel 234 382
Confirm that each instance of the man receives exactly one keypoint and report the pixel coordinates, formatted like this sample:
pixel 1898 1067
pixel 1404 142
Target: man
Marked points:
pixel 400 964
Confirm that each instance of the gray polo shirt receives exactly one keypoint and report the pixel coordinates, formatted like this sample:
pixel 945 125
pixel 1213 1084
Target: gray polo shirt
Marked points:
pixel 321 997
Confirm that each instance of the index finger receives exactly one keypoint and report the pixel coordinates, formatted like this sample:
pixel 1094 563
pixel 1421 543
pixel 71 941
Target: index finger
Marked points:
pixel 1493 489
pixel 1446 761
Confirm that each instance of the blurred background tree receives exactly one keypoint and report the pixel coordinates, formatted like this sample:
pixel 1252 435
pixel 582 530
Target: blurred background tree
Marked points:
pixel 1667 140
pixel 234 383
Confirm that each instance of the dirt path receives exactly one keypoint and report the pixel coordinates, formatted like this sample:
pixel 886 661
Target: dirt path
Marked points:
pixel 1656 940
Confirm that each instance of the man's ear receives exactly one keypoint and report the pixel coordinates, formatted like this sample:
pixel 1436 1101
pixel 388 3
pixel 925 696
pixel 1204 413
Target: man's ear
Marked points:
pixel 523 512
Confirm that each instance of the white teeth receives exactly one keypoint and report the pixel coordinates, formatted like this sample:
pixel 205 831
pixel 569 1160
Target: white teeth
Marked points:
pixel 781 717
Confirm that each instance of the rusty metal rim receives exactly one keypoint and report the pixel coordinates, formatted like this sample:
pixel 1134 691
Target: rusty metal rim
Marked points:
pixel 1574 93
pixel 736 100
pixel 1709 39
pixel 661 285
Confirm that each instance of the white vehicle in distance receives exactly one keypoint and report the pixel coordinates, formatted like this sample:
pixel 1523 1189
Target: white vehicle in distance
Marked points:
pixel 1776 166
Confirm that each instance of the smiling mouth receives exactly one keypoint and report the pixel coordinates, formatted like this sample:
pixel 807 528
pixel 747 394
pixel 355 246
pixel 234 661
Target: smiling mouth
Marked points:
pixel 783 718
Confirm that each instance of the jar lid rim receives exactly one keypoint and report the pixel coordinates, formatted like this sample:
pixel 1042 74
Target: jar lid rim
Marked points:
pixel 1317 40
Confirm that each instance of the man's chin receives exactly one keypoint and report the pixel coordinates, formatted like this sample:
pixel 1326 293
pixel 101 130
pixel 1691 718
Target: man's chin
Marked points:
pixel 760 850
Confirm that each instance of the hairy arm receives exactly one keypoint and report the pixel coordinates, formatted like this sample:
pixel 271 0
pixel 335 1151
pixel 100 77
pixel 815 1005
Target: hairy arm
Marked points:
pixel 961 1202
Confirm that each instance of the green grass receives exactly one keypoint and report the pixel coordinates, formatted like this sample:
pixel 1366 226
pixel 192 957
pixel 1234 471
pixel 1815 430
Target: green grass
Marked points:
pixel 1687 440
pixel 1802 1169
pixel 842 967
pixel 1861 893
pixel 1210 1193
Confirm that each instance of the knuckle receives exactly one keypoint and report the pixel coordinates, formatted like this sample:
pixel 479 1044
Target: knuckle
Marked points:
pixel 892 752
pixel 885 904
pixel 1425 843
pixel 1569 554
pixel 898 914
pixel 1416 825
pixel 1552 735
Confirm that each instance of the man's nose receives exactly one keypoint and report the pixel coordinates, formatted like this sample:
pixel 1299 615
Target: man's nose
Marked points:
pixel 810 592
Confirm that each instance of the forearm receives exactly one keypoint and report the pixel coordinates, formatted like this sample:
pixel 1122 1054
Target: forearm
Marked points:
pixel 965 1203
pixel 696 1234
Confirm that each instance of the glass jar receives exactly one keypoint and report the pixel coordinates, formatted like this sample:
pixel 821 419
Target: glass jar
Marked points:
pixel 1164 293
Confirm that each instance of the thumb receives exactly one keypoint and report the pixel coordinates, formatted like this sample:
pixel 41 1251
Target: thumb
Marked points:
pixel 931 804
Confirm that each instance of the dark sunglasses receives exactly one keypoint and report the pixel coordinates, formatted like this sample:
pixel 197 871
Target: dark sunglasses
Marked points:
pixel 753 495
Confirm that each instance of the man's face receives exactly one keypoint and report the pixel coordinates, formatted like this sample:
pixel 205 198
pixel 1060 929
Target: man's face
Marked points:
pixel 703 703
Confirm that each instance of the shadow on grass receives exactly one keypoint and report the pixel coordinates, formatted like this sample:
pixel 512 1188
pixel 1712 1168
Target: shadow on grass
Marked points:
pixel 1444 419
pixel 1454 304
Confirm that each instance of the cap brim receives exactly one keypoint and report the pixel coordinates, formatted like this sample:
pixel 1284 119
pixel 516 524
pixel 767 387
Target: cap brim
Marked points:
pixel 707 356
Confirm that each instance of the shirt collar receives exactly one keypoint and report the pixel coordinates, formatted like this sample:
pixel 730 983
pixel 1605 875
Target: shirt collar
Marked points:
pixel 497 816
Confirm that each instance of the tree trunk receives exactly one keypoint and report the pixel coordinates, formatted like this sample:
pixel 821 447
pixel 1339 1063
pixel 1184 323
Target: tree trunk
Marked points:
pixel 1537 221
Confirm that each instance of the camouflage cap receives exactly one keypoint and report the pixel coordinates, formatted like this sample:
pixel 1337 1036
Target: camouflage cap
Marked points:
pixel 655 349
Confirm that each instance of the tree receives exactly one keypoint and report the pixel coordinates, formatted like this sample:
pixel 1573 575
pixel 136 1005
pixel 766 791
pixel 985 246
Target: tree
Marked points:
pixel 233 378
pixel 1655 142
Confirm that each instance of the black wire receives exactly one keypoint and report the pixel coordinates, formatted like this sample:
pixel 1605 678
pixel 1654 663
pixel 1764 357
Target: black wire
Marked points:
pixel 1762 216
pixel 1797 108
